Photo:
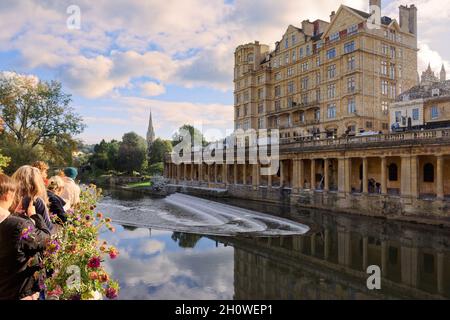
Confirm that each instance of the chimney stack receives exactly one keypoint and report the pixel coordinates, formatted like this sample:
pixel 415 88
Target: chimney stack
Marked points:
pixel 333 13
pixel 375 3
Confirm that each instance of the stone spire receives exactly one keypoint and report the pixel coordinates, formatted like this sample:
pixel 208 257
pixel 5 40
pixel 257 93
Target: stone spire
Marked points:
pixel 150 131
pixel 428 77
pixel 443 73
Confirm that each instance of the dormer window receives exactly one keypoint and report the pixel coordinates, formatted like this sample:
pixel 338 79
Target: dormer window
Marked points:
pixel 352 29
pixel 334 37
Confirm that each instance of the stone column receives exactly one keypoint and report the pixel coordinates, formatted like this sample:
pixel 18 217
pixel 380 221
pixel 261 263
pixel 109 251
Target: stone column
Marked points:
pixel 254 175
pixel 313 174
pixel 215 172
pixel 208 168
pixel 200 172
pixel 365 253
pixel 414 176
pixel 405 177
pixel 185 172
pixel 244 173
pixel 225 173
pixel 409 266
pixel 383 175
pixel 295 184
pixel 235 167
pixel 301 174
pixel 384 258
pixel 440 177
pixel 281 173
pixel 365 176
pixel 326 248
pixel 344 248
pixel 326 173
pixel 440 272
pixel 178 173
pixel 341 175
pixel 313 245
pixel 348 175
pixel 269 181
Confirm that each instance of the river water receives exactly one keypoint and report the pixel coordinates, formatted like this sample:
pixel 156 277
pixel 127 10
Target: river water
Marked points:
pixel 190 248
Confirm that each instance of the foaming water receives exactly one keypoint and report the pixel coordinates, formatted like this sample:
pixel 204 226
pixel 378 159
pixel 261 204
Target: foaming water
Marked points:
pixel 184 213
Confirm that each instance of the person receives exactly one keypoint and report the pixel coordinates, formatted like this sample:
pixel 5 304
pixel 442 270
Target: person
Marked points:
pixel 32 189
pixel 23 237
pixel 43 168
pixel 55 202
pixel 71 193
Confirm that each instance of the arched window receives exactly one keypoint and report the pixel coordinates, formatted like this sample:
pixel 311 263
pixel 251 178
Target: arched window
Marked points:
pixel 393 172
pixel 428 173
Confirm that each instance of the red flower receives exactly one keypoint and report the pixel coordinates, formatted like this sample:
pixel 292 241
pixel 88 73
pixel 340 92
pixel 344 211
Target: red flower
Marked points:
pixel 103 277
pixel 111 293
pixel 113 253
pixel 94 263
pixel 93 275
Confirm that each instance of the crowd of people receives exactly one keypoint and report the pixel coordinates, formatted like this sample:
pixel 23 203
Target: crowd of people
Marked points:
pixel 33 206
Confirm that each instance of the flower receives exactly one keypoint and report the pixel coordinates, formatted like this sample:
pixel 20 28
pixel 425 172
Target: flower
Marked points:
pixel 113 253
pixel 93 275
pixel 55 292
pixel 99 215
pixel 111 293
pixel 112 229
pixel 53 246
pixel 25 234
pixel 94 263
pixel 108 220
pixel 103 277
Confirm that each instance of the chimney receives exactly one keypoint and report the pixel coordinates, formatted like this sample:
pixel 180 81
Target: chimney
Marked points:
pixel 408 19
pixel 333 13
pixel 308 27
pixel 413 19
pixel 443 74
pixel 375 3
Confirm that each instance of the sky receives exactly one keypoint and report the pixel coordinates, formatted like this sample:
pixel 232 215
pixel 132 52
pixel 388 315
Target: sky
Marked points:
pixel 174 57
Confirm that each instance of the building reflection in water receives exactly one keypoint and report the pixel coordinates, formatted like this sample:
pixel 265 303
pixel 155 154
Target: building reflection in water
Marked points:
pixel 330 262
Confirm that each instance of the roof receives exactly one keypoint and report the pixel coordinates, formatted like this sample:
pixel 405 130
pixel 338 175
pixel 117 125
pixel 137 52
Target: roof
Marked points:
pixel 424 92
pixel 384 20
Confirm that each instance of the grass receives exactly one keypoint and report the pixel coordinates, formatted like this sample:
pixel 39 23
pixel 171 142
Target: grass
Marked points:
pixel 139 184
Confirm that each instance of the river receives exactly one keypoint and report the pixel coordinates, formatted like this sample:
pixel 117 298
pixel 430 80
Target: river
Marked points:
pixel 184 248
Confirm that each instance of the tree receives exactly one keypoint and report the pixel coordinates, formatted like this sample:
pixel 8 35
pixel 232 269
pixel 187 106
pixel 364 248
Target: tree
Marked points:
pixel 196 136
pixel 158 149
pixel 37 118
pixel 4 161
pixel 132 153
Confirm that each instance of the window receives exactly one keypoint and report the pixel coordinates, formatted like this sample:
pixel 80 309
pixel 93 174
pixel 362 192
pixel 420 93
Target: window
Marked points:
pixel 246 96
pixel 334 36
pixel 237 112
pixel 305 99
pixel 293 39
pixel 261 123
pixel 351 63
pixel 286 43
pixel 351 85
pixel 291 87
pixel 278 76
pixel 352 29
pixel 415 114
pixel 317 115
pixel 349 47
pixel 305 83
pixel 290 71
pixel 331 91
pixel 246 110
pixel 398 116
pixel 393 55
pixel 385 49
pixel 392 71
pixel 246 124
pixel 260 107
pixel 260 79
pixel 331 53
pixel 302 117
pixel 250 58
pixel 277 105
pixel 384 68
pixel 305 66
pixel 290 102
pixel 369 124
pixel 393 172
pixel 308 50
pixel 277 91
pixel 331 71
pixel 260 94
pixel 331 111
pixel 318 78
pixel 384 87
pixel 400 71
pixel 294 56
pixel 384 107
pixel 286 58
pixel 434 112
pixel 428 173
pixel 301 52
pixel 351 105
pixel 318 95
pixel 318 61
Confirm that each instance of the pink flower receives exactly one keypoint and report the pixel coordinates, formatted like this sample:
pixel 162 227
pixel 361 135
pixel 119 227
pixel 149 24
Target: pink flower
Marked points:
pixel 25 234
pixel 94 263
pixel 111 293
pixel 113 253
pixel 55 292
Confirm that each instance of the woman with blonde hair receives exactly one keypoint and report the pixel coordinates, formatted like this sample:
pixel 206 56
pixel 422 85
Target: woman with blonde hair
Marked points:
pixel 43 168
pixel 55 202
pixel 31 188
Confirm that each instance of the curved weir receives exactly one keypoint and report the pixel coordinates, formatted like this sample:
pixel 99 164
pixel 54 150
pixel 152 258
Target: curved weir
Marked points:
pixel 184 213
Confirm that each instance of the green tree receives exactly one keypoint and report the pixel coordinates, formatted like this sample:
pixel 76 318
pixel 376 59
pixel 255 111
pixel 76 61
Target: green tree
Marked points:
pixel 196 136
pixel 132 153
pixel 37 118
pixel 4 161
pixel 158 149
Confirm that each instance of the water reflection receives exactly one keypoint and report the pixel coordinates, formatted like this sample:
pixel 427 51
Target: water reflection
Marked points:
pixel 327 263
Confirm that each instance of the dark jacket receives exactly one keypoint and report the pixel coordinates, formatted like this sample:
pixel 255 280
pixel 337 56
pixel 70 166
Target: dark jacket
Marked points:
pixel 16 251
pixel 56 206
pixel 41 210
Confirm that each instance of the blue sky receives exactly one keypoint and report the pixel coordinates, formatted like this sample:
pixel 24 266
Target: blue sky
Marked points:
pixel 173 56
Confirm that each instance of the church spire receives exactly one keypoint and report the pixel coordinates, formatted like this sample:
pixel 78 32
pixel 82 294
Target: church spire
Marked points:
pixel 150 131
pixel 443 73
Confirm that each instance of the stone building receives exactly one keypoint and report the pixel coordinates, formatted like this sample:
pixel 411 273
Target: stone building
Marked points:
pixel 425 106
pixel 322 82
pixel 150 135
pixel 327 76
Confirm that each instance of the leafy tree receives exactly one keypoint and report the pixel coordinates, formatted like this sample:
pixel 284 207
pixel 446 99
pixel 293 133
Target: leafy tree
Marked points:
pixel 156 169
pixel 4 161
pixel 196 136
pixel 186 240
pixel 132 153
pixel 158 149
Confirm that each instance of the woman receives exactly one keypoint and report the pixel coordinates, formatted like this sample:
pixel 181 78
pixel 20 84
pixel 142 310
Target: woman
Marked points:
pixel 31 188
pixel 43 168
pixel 23 237
pixel 56 203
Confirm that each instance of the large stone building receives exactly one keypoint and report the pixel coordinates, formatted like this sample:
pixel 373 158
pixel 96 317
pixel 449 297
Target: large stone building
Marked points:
pixel 321 83
pixel 327 77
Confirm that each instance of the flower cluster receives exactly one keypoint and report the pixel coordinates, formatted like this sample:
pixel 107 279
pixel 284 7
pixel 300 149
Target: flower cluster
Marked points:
pixel 73 261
